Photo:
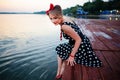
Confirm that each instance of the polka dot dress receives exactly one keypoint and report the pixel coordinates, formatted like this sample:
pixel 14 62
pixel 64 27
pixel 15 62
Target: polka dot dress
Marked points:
pixel 85 54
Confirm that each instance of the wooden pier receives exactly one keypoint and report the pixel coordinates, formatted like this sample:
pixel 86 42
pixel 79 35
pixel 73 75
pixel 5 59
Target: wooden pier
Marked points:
pixel 105 39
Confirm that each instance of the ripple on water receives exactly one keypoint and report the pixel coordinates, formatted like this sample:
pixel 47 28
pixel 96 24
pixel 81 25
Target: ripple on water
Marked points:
pixel 35 61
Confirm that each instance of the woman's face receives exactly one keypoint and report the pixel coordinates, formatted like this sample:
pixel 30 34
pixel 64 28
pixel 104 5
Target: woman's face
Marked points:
pixel 55 19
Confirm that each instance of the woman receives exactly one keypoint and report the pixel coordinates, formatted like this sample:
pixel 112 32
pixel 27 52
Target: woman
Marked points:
pixel 78 50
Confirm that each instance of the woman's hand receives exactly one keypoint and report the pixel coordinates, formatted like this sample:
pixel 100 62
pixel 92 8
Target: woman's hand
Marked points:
pixel 71 61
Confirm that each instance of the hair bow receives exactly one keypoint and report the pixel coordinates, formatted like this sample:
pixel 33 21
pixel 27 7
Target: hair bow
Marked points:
pixel 51 8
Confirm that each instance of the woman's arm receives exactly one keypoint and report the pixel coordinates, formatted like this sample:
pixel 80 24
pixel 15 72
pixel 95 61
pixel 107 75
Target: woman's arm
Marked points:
pixel 69 31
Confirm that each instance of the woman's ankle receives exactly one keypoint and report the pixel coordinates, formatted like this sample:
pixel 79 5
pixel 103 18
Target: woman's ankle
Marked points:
pixel 58 77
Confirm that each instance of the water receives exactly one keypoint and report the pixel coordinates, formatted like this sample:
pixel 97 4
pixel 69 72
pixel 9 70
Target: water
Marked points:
pixel 107 17
pixel 27 47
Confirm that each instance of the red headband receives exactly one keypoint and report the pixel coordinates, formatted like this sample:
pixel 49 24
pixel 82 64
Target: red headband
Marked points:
pixel 51 8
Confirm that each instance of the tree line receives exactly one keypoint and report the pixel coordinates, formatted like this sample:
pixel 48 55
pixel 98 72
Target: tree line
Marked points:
pixel 94 7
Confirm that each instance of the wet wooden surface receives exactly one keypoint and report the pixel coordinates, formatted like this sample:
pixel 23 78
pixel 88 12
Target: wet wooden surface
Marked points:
pixel 105 39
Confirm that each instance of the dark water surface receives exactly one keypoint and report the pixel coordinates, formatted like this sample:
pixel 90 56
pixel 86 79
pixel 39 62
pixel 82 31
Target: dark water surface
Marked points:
pixel 36 60
pixel 27 47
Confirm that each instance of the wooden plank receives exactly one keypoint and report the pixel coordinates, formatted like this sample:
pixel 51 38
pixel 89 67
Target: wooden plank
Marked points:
pixel 117 53
pixel 114 63
pixel 80 72
pixel 105 71
pixel 85 73
pixel 101 45
pixel 77 72
pixel 92 29
pixel 100 27
pixel 106 49
pixel 105 40
pixel 108 43
pixel 67 75
pixel 72 72
pixel 115 39
pixel 109 30
pixel 94 74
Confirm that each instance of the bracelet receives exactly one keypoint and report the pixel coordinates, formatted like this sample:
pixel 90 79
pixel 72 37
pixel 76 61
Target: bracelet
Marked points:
pixel 71 55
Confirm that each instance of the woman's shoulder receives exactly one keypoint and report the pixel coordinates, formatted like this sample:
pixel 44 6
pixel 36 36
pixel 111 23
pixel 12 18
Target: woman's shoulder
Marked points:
pixel 68 21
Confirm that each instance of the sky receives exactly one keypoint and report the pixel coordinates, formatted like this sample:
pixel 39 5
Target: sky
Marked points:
pixel 35 5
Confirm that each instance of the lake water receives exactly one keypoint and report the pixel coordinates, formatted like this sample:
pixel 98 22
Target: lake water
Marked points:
pixel 27 47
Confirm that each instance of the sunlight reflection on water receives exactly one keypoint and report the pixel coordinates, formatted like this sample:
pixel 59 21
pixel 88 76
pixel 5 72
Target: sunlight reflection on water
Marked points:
pixel 26 25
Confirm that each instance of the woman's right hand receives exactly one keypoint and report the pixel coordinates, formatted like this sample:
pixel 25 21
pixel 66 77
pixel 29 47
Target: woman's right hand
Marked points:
pixel 71 61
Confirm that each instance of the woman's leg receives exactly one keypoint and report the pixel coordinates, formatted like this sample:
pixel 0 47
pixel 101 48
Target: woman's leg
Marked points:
pixel 59 65
pixel 62 67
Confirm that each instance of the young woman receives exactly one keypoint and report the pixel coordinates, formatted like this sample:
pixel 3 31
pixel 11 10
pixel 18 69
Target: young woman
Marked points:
pixel 78 49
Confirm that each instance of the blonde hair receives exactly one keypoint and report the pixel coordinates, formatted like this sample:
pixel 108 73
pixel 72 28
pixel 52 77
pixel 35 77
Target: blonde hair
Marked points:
pixel 57 11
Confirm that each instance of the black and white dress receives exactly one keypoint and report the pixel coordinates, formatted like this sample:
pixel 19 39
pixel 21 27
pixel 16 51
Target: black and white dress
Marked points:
pixel 85 54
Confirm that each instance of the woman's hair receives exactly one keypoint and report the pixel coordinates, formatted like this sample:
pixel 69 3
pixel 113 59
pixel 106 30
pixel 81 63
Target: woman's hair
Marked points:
pixel 57 11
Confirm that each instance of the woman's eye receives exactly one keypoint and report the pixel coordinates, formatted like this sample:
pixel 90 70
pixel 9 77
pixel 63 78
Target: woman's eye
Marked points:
pixel 54 18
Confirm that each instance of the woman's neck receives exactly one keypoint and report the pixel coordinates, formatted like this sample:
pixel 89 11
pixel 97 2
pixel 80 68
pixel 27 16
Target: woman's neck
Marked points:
pixel 62 21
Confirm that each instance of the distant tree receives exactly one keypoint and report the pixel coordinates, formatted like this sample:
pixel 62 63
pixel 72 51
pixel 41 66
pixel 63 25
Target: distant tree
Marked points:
pixel 89 7
pixel 106 6
pixel 115 4
pixel 66 11
pixel 71 11
pixel 98 4
pixel 94 7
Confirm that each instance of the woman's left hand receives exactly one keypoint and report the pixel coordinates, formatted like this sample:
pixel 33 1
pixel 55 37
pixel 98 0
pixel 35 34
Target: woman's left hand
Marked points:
pixel 71 61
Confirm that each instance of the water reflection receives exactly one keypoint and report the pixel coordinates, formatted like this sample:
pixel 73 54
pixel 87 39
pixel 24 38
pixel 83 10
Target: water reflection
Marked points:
pixel 27 44
pixel 26 25
pixel 34 60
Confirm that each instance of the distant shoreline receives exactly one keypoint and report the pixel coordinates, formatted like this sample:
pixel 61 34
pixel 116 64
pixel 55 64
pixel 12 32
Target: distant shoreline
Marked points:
pixel 16 13
pixel 41 12
pixel 109 17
